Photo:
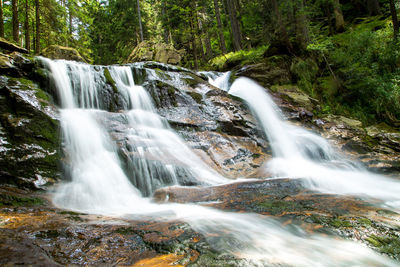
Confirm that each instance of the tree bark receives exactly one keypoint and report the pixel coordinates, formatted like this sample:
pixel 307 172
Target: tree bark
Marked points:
pixel 220 28
pixel 373 7
pixel 192 30
pixel 37 37
pixel 70 18
pixel 199 33
pixel 302 34
pixel 140 21
pixel 394 19
pixel 281 27
pixel 337 10
pixel 15 22
pixel 329 17
pixel 33 35
pixel 163 15
pixel 1 20
pixel 26 23
pixel 237 38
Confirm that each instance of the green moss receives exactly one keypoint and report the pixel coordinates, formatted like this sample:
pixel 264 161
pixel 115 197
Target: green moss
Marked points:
pixel 365 221
pixel 255 155
pixel 110 80
pixel 43 96
pixel 171 92
pixel 388 244
pixel 197 97
pixel 12 200
pixel 276 207
pixel 338 223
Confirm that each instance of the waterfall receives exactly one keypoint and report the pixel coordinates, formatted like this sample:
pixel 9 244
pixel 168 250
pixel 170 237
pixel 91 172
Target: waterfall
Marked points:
pixel 299 153
pixel 219 80
pixel 100 185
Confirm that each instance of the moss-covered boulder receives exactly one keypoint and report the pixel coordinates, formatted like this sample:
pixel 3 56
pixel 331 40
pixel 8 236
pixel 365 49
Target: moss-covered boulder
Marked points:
pixel 61 52
pixel 29 134
pixel 160 52
pixel 10 47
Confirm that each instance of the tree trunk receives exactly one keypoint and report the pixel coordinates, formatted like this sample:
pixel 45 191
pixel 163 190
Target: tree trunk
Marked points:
pixel 220 28
pixel 281 27
pixel 33 35
pixel 237 38
pixel 163 15
pixel 15 22
pixel 394 19
pixel 1 20
pixel 27 32
pixel 209 51
pixel 194 48
pixel 329 17
pixel 37 8
pixel 337 10
pixel 140 21
pixel 302 34
pixel 198 32
pixel 373 7
pixel 70 19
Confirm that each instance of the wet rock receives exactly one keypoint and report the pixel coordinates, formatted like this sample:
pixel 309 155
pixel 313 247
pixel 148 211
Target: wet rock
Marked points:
pixel 29 134
pixel 289 201
pixel 44 236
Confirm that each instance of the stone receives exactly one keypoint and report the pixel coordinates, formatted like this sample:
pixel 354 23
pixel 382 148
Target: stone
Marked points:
pixel 160 52
pixel 62 52
pixel 29 134
pixel 9 46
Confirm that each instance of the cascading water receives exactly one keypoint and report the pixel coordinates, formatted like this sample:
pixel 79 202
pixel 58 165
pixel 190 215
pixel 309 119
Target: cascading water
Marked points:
pixel 99 184
pixel 219 80
pixel 302 154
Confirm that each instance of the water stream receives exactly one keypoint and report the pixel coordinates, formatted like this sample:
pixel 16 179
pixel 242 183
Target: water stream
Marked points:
pixel 298 153
pixel 100 185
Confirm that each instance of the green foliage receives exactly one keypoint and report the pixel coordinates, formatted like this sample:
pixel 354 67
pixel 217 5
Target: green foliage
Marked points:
pixel 306 72
pixel 360 75
pixel 242 57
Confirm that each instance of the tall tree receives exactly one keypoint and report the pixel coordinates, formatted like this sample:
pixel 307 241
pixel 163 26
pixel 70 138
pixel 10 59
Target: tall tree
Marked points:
pixel 15 21
pixel 394 19
pixel 193 34
pixel 1 20
pixel 140 21
pixel 26 27
pixel 373 7
pixel 220 27
pixel 70 18
pixel 283 34
pixel 337 10
pixel 236 33
pixel 37 35
pixel 302 34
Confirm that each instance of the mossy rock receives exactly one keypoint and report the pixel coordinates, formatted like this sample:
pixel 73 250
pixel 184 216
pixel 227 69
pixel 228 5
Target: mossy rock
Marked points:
pixel 62 52
pixel 18 201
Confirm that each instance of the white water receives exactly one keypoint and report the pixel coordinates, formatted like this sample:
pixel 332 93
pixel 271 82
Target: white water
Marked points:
pixel 99 184
pixel 301 154
pixel 219 80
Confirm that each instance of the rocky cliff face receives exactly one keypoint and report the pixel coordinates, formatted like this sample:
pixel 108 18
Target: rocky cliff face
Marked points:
pixel 29 128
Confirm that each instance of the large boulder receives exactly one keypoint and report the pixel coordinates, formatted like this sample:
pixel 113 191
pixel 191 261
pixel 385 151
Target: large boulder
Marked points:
pixel 160 52
pixel 29 134
pixel 61 52
pixel 10 47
